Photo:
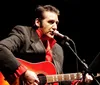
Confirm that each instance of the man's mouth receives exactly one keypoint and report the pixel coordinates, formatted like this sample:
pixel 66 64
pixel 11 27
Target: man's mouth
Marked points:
pixel 51 32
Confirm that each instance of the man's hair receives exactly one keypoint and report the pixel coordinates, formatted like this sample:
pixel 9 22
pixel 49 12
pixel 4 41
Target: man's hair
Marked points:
pixel 40 9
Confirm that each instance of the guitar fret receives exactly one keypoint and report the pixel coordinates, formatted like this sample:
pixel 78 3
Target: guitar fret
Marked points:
pixel 56 78
pixel 66 77
pixel 62 77
pixel 69 77
pixel 53 78
pixel 74 76
pixel 50 78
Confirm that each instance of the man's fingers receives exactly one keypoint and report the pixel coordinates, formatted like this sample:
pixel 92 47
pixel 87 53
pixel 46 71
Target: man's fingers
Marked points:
pixel 88 78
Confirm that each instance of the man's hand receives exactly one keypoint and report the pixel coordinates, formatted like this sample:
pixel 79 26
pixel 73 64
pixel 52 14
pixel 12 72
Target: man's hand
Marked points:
pixel 30 78
pixel 88 79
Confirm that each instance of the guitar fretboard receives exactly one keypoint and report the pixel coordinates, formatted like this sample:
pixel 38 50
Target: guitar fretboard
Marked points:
pixel 63 77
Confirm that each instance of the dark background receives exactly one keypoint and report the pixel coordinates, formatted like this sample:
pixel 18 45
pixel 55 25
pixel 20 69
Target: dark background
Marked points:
pixel 78 20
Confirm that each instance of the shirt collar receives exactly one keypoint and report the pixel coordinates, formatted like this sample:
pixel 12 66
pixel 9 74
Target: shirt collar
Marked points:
pixel 51 41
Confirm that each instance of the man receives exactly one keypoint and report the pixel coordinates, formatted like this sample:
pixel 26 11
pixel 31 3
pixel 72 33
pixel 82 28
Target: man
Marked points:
pixel 34 44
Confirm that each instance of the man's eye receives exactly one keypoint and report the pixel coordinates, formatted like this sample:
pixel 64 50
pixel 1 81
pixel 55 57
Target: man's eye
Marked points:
pixel 51 22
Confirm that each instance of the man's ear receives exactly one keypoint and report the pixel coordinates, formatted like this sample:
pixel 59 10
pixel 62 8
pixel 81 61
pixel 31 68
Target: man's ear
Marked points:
pixel 37 22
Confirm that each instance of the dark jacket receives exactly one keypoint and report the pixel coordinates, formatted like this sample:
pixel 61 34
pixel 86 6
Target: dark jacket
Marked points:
pixel 23 42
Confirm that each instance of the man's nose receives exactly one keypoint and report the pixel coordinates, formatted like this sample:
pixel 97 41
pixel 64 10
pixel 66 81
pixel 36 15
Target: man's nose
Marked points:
pixel 54 26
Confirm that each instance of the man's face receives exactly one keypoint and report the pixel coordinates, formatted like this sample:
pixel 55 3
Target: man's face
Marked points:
pixel 49 24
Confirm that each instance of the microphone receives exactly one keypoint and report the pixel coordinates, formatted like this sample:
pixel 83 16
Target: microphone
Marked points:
pixel 61 35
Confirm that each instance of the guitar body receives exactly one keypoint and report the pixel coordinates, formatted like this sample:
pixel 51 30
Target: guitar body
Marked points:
pixel 45 68
pixel 2 81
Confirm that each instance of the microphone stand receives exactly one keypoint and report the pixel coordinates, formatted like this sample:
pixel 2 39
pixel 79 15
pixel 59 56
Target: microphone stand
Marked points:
pixel 83 63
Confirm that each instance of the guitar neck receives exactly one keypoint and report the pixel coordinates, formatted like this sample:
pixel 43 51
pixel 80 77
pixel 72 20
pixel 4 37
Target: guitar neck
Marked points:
pixel 63 77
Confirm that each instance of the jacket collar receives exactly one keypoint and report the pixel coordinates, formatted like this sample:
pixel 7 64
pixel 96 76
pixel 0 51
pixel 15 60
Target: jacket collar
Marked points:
pixel 34 36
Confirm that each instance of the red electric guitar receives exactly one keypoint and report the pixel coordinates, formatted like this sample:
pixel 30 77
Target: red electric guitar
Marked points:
pixel 46 68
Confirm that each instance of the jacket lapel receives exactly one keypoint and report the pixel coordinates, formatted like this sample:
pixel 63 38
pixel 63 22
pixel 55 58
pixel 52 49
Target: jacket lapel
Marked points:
pixel 37 44
pixel 57 59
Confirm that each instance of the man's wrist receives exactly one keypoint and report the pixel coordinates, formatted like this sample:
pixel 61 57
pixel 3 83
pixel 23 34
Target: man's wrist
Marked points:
pixel 20 71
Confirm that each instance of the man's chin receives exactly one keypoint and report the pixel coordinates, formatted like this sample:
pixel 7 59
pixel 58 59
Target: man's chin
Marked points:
pixel 50 36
